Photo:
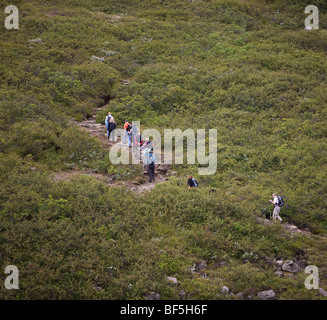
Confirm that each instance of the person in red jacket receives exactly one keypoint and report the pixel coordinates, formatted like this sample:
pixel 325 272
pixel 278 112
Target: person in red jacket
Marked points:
pixel 126 125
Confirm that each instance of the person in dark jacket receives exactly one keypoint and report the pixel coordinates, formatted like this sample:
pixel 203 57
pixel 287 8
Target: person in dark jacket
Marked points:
pixel 151 165
pixel 190 182
pixel 112 127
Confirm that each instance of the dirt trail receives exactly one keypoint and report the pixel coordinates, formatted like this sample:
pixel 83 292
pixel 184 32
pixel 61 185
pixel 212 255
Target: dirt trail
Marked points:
pixel 293 229
pixel 99 132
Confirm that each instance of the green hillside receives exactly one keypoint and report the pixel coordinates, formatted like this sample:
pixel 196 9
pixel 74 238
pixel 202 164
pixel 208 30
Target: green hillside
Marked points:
pixel 246 68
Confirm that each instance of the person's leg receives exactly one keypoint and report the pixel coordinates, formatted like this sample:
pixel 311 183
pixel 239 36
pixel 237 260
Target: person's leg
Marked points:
pixel 149 172
pixel 124 137
pixel 129 140
pixel 153 174
pixel 112 135
pixel 277 214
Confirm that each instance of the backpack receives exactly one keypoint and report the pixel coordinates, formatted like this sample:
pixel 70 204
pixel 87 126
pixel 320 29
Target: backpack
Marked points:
pixel 152 161
pixel 129 127
pixel 107 121
pixel 195 182
pixel 280 201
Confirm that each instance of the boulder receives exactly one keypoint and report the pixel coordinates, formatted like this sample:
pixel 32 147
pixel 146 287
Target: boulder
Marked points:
pixel 200 266
pixel 279 263
pixel 172 280
pixel 153 296
pixel 291 267
pixel 182 294
pixel 225 290
pixel 240 295
pixel 323 292
pixel 267 295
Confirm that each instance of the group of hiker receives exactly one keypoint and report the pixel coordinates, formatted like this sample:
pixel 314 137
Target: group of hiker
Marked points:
pixel 133 137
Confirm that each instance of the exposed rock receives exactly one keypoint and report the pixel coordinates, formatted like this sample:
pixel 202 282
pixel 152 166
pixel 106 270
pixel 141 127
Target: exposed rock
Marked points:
pixel 37 40
pixel 223 263
pixel 301 264
pixel 291 267
pixel 163 167
pixel 153 296
pixel 94 58
pixel 279 273
pixel 182 294
pixel 225 290
pixel 200 266
pixel 108 53
pixel 172 280
pixel 279 263
pixel 240 295
pixel 97 288
pixel 267 295
pixel 323 292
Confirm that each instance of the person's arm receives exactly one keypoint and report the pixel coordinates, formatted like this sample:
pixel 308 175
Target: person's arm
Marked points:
pixel 144 144
pixel 273 201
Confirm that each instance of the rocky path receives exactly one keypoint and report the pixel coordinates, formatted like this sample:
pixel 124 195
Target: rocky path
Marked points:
pixel 293 229
pixel 99 132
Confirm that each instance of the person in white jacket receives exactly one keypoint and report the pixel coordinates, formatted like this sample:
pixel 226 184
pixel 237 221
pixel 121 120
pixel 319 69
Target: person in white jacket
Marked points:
pixel 277 207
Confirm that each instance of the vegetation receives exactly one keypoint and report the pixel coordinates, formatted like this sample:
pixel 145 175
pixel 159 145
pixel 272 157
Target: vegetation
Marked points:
pixel 247 68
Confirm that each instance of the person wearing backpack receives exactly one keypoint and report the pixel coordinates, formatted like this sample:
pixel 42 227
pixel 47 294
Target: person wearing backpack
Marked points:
pixel 129 132
pixel 151 165
pixel 126 131
pixel 111 127
pixel 192 183
pixel 107 120
pixel 278 202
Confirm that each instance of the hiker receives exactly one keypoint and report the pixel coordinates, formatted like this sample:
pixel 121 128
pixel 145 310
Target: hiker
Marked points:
pixel 151 165
pixel 126 131
pixel 145 155
pixel 148 143
pixel 191 182
pixel 107 122
pixel 277 204
pixel 111 128
pixel 129 134
pixel 138 141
